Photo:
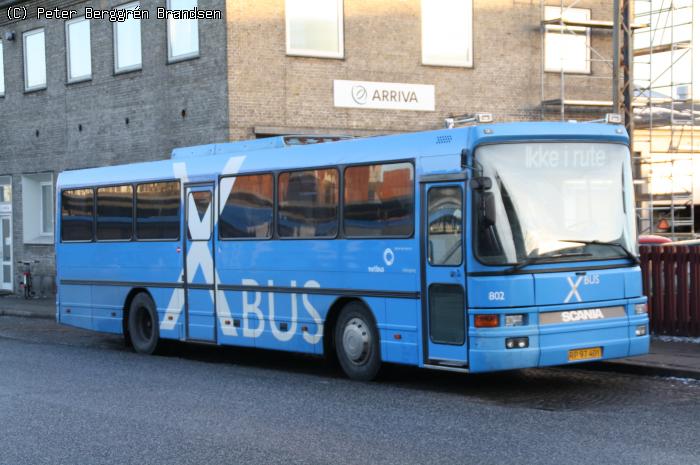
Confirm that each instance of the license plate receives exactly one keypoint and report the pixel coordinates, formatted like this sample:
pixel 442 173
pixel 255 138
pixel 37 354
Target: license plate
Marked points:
pixel 585 354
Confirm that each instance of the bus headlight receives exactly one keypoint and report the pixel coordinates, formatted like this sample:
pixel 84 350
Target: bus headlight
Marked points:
pixel 640 309
pixel 640 330
pixel 515 320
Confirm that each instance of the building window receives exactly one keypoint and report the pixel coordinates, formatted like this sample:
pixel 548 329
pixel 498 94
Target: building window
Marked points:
pixel 567 48
pixel 308 204
pixel 77 215
pixel 158 211
pixel 78 55
pixel 34 60
pixel 127 42
pixel 183 34
pixel 5 189
pixel 2 72
pixel 447 32
pixel 315 28
pixel 247 212
pixel 37 208
pixel 378 200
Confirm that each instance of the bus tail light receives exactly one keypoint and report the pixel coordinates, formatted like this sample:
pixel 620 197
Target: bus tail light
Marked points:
pixel 485 321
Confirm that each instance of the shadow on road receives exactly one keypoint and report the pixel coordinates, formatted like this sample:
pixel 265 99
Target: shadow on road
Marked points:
pixel 553 389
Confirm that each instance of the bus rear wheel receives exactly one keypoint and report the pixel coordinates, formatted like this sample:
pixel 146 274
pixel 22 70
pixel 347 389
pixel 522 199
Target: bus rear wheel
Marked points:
pixel 143 324
pixel 357 342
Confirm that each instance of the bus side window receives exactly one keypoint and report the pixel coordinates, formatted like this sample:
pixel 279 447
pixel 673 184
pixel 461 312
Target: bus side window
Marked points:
pixel 158 211
pixel 115 213
pixel 378 200
pixel 308 204
pixel 247 211
pixel 77 215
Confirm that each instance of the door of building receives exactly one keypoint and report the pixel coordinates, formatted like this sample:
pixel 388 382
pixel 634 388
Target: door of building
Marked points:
pixel 6 268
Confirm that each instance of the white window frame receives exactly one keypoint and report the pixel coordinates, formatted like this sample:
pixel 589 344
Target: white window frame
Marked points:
pixel 7 281
pixel 186 56
pixel 43 184
pixel 126 69
pixel 24 56
pixel 85 77
pixel 557 29
pixel 340 54
pixel 469 62
pixel 2 69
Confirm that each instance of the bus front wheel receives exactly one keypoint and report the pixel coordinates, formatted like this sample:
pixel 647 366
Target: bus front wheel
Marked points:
pixel 357 342
pixel 143 324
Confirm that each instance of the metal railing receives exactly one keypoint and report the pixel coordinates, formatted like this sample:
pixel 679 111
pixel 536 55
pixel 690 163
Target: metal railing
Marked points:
pixel 671 280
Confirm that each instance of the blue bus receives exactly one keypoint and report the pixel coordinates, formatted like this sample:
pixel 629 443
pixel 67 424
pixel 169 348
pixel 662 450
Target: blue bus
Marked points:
pixel 473 249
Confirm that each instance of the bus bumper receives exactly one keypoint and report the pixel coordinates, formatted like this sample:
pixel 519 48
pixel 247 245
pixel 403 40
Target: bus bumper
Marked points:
pixel 558 344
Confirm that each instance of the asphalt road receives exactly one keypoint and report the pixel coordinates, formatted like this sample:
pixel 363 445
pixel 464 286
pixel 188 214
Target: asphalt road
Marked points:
pixel 74 397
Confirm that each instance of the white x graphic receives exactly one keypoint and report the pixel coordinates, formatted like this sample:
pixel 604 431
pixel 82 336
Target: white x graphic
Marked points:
pixel 199 255
pixel 574 289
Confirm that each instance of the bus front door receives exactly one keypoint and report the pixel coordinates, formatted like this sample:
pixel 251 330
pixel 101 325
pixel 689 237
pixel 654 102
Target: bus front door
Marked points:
pixel 444 302
pixel 199 262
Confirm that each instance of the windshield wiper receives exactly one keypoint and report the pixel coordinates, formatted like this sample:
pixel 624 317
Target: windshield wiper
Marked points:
pixel 619 245
pixel 540 258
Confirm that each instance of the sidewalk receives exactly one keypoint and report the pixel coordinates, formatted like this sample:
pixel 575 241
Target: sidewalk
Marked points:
pixel 13 305
pixel 677 359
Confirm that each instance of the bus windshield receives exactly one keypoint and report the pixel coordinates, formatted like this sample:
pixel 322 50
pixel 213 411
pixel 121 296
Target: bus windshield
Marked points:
pixel 554 202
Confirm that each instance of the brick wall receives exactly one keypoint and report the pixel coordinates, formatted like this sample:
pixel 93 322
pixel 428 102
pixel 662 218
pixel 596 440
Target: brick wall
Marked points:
pixel 383 43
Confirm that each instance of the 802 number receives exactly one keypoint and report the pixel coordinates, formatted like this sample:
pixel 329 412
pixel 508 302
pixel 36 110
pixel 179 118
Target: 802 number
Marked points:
pixel 497 295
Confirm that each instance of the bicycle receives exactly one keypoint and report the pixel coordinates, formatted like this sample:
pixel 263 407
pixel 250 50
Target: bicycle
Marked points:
pixel 26 284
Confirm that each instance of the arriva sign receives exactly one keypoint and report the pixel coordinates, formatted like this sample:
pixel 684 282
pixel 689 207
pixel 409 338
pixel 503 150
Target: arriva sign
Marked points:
pixel 383 95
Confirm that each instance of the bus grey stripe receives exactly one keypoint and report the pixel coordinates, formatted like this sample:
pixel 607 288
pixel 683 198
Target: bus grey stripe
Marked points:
pixel 322 291
pixel 234 287
pixel 83 282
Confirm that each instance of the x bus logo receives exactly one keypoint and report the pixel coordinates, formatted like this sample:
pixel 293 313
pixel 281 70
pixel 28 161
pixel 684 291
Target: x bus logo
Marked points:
pixel 198 253
pixel 574 289
pixel 199 257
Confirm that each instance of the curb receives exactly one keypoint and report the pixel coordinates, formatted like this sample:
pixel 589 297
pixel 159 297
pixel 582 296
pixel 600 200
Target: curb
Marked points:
pixel 26 314
pixel 645 369
pixel 618 366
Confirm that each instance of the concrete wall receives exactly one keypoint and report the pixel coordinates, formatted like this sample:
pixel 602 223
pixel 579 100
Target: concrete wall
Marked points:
pixel 70 126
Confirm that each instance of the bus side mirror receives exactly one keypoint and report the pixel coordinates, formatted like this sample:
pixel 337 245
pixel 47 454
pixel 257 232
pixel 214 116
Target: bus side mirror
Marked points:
pixel 481 183
pixel 487 209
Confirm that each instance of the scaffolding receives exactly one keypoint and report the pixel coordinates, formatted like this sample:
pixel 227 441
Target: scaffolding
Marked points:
pixel 653 38
pixel 665 118
pixel 572 24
